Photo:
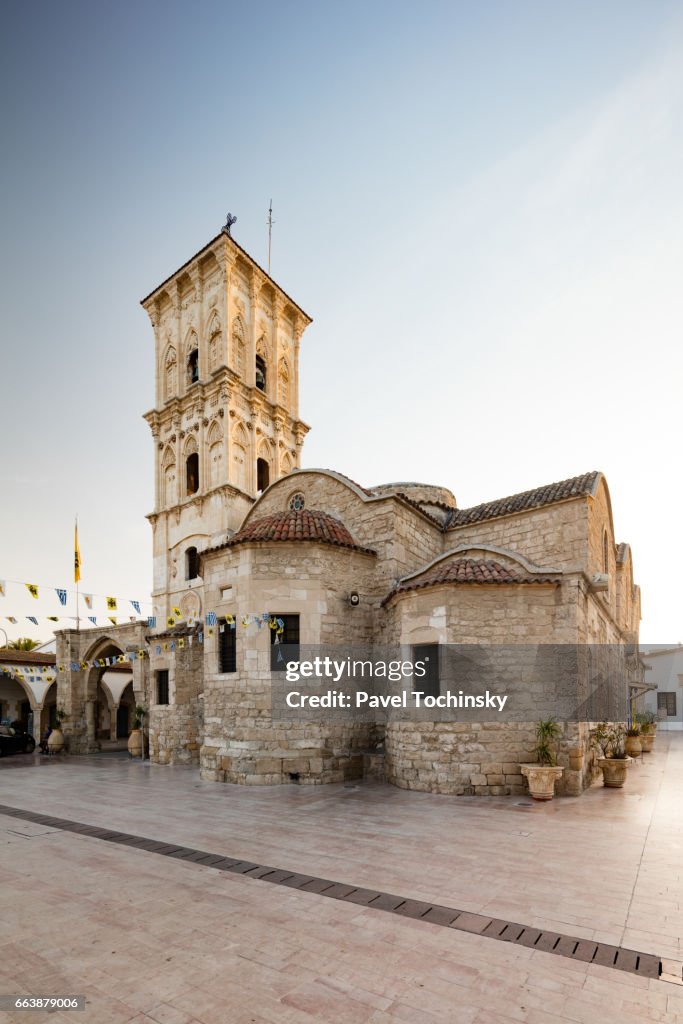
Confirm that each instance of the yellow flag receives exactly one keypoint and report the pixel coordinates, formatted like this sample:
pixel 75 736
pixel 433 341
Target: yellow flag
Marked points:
pixel 111 604
pixel 77 556
pixel 32 589
pixel 177 612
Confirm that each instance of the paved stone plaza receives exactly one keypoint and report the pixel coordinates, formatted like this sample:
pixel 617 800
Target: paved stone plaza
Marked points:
pixel 151 938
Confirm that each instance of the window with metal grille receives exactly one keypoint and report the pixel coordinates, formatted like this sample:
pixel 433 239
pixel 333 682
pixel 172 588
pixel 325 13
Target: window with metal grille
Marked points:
pixel 227 648
pixel 667 702
pixel 162 686
pixel 285 645
pixel 430 683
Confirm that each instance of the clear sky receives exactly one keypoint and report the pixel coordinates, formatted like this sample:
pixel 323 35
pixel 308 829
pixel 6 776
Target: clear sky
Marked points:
pixel 479 204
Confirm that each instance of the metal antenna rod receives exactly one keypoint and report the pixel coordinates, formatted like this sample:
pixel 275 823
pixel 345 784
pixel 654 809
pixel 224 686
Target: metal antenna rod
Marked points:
pixel 270 232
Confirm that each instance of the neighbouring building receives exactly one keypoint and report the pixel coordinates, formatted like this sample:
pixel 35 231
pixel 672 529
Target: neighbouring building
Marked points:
pixel 664 672
pixel 239 527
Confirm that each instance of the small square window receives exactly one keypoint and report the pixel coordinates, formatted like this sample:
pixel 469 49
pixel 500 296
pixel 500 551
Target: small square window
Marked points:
pixel 667 702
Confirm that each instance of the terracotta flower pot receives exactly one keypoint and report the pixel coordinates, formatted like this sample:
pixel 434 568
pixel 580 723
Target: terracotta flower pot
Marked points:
pixel 135 743
pixel 615 770
pixel 541 779
pixel 632 746
pixel 55 741
pixel 647 740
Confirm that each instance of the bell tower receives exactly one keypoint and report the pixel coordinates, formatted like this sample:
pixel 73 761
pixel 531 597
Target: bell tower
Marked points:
pixel 226 419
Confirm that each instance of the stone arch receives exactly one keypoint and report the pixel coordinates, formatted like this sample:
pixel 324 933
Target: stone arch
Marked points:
pixel 286 465
pixel 170 373
pixel 191 350
pixel 262 367
pixel 240 450
pixel 264 464
pixel 168 476
pixel 191 457
pixel 262 348
pixel 239 349
pixel 99 706
pixel 283 383
pixel 215 336
pixel 215 448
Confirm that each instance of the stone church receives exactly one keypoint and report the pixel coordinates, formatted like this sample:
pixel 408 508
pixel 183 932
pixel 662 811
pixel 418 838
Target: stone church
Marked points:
pixel 240 528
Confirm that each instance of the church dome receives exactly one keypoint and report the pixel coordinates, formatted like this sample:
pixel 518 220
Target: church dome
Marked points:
pixel 297 525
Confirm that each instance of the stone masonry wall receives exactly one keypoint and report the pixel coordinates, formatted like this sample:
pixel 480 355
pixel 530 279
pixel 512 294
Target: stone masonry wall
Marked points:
pixel 478 759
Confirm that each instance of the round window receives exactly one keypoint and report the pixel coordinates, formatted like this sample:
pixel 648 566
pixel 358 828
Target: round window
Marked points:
pixel 297 502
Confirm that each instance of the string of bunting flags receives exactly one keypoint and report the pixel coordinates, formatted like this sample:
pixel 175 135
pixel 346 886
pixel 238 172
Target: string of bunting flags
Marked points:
pixel 212 621
pixel 31 673
pixel 90 600
pixel 174 619
pixel 37 619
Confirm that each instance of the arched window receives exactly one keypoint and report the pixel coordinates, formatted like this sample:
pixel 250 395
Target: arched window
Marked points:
pixel 191 564
pixel 192 473
pixel 193 366
pixel 297 502
pixel 260 373
pixel 262 475
pixel 605 552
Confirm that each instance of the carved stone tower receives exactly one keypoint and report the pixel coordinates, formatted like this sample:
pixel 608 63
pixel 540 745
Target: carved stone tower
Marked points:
pixel 226 420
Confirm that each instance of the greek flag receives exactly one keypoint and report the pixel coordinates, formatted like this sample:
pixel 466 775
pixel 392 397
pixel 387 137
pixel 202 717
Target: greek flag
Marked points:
pixel 152 621
pixel 211 619
pixel 136 605
pixel 93 619
pixel 61 594
pixel 33 619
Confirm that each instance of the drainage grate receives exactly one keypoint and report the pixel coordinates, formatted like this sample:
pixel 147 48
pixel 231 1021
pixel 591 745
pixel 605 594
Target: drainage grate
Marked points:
pixel 646 965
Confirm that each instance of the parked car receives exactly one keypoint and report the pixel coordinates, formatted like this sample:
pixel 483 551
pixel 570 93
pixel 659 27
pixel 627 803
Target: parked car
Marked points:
pixel 13 741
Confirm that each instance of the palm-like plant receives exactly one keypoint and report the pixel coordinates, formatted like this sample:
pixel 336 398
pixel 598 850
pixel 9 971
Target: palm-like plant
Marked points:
pixel 547 735
pixel 23 643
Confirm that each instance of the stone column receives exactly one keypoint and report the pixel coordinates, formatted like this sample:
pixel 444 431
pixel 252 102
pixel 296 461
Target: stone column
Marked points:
pixel 113 716
pixel 37 722
pixel 90 725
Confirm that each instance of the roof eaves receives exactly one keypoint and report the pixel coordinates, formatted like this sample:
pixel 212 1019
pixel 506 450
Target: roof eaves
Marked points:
pixel 224 234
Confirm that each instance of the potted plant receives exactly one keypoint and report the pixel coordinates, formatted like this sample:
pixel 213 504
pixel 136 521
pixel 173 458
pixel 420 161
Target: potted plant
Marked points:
pixel 55 741
pixel 613 759
pixel 136 736
pixel 648 729
pixel 542 775
pixel 632 743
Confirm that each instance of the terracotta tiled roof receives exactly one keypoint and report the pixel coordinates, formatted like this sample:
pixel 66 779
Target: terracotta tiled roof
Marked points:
pixel 302 524
pixel 27 657
pixel 469 570
pixel 575 487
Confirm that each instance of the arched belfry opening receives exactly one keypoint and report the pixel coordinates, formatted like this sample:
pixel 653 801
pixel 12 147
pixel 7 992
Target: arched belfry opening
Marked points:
pixel 191 564
pixel 260 373
pixel 262 475
pixel 193 366
pixel 192 473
